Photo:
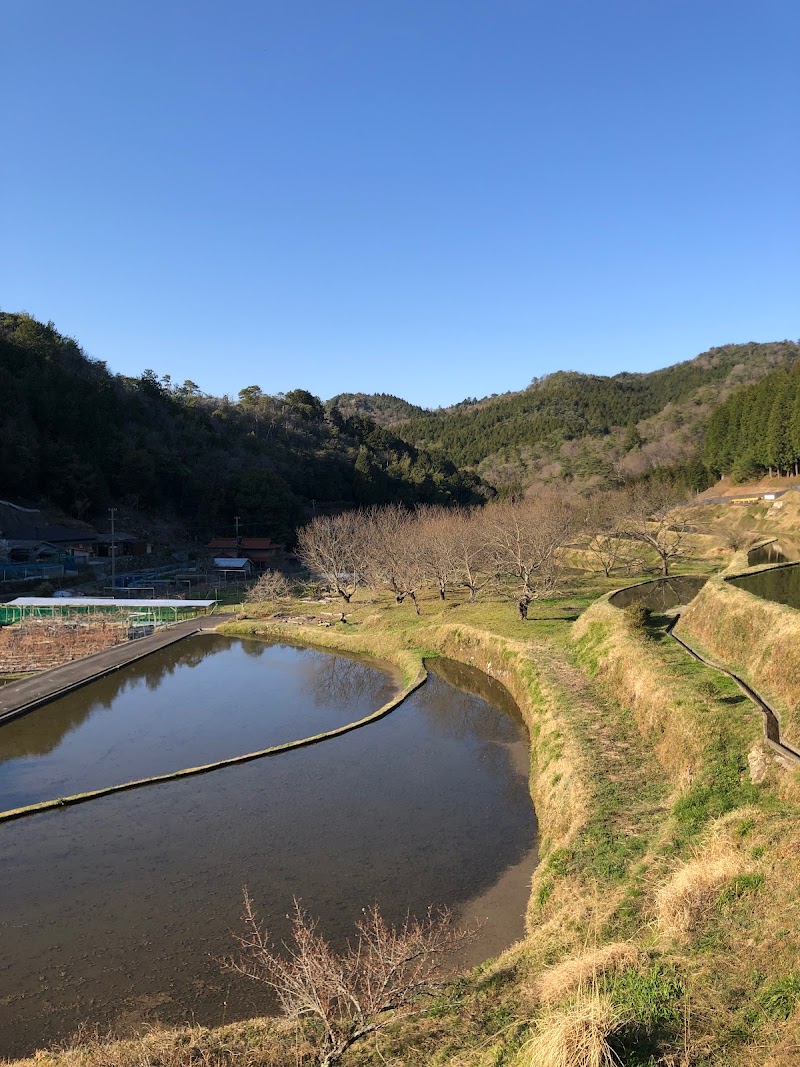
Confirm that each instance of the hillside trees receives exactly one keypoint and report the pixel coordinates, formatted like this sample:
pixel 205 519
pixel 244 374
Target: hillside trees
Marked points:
pixel 757 429
pixel 75 435
pixel 567 405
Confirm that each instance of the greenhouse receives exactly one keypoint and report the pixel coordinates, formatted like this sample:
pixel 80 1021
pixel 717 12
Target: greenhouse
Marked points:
pixel 155 611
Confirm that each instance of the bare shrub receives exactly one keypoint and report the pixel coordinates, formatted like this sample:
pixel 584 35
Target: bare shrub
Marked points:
pixel 735 538
pixel 377 979
pixel 271 585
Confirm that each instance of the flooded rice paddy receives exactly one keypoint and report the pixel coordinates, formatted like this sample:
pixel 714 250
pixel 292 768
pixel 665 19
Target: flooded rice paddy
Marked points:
pixel 116 912
pixel 662 593
pixel 781 584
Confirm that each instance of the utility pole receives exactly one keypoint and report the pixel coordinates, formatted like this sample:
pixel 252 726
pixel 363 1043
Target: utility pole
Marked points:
pixel 236 520
pixel 113 555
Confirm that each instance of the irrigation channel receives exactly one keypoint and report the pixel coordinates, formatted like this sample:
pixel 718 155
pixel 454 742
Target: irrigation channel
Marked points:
pixel 117 911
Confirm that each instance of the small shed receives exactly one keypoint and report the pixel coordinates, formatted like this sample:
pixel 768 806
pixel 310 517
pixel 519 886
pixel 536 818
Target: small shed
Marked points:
pixel 238 568
pixel 259 550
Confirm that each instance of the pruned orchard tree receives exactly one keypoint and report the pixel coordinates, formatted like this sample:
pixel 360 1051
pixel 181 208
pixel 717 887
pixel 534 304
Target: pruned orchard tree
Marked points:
pixel 472 551
pixel 657 518
pixel 525 540
pixel 605 537
pixel 436 528
pixel 393 558
pixel 380 977
pixel 335 547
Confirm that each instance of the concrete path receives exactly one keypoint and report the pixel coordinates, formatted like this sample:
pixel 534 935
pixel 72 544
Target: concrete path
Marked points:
pixel 18 698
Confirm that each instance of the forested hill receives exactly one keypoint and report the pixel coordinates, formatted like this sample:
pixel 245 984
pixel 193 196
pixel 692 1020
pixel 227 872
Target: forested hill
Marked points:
pixel 596 429
pixel 383 408
pixel 757 429
pixel 77 436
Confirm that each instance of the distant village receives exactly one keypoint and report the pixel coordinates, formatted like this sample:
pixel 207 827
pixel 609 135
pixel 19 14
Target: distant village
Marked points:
pixel 34 549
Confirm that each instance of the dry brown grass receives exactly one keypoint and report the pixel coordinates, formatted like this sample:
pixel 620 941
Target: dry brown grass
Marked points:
pixel 690 894
pixel 786 1053
pixel 257 1043
pixel 576 1035
pixel 578 972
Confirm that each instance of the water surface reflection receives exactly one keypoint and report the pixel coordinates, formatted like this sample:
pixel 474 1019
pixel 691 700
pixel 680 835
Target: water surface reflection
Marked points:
pixel 781 584
pixel 200 700
pixel 115 911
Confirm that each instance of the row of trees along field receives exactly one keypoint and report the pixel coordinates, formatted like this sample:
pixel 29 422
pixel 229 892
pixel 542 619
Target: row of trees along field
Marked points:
pixel 757 429
pixel 514 551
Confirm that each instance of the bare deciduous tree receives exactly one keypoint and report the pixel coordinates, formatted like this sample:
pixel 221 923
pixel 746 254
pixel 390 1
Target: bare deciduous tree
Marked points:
pixel 395 557
pixel 384 556
pixel 436 527
pixel 604 523
pixel 656 518
pixel 335 547
pixel 379 977
pixel 525 541
pixel 471 538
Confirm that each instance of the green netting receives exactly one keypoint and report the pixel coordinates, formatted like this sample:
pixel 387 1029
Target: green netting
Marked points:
pixel 11 613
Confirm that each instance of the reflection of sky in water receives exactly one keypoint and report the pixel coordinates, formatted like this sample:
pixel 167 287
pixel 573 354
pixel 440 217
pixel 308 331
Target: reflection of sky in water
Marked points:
pixel 133 896
pixel 200 700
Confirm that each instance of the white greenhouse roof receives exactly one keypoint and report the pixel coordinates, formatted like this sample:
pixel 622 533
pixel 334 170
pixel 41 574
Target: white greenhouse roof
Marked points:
pixel 102 602
pixel 233 564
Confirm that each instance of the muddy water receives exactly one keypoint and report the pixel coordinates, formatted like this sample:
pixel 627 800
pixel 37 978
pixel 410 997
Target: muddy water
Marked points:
pixel 116 911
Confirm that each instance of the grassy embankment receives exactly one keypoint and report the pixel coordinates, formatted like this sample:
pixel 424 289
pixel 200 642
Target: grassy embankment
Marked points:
pixel 662 918
pixel 757 638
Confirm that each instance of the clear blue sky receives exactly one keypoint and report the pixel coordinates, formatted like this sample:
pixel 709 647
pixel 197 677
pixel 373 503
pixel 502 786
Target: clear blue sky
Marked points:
pixel 433 198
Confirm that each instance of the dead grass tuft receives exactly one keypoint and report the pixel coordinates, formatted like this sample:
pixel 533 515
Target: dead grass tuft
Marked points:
pixel 257 1043
pixel 690 895
pixel 576 1036
pixel 581 971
